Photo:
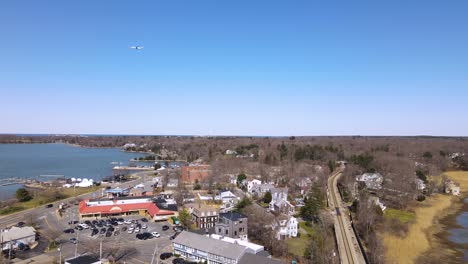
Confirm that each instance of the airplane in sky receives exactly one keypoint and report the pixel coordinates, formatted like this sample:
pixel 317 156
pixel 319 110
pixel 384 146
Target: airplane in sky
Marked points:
pixel 136 47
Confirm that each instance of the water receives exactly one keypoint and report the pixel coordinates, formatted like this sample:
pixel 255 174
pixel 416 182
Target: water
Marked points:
pixel 460 235
pixel 32 160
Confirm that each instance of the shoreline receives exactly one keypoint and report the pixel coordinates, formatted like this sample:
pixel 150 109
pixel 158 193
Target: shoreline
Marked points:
pixel 441 249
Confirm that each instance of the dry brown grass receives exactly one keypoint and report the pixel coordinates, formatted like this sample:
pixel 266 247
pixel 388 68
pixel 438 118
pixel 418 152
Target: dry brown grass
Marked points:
pixel 407 249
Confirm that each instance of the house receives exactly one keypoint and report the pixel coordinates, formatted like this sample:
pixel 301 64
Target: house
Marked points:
pixel 192 173
pixel 141 190
pixel 420 186
pixel 201 248
pixel 251 184
pixel 172 183
pixel 14 236
pixel 231 152
pixel 375 200
pixel 285 226
pixel 84 259
pixel 371 180
pixel 233 225
pixel 279 201
pixel 250 247
pixel 452 187
pixel 203 215
pixel 260 189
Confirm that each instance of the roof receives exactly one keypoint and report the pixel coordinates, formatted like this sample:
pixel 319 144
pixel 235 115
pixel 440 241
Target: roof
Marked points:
pixel 249 258
pixel 16 233
pixel 85 259
pixel 210 245
pixel 233 216
pixel 122 208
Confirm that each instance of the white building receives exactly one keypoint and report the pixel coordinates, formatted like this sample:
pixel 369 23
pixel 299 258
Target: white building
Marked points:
pixel 371 180
pixel 250 184
pixel 279 201
pixel 14 236
pixel 285 226
pixel 420 185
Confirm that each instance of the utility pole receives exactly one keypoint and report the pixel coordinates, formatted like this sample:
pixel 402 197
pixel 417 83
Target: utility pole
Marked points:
pixel 60 254
pixel 100 250
pixel 76 245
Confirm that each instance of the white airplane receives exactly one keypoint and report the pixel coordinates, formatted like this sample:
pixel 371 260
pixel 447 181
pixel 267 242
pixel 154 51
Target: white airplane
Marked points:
pixel 136 47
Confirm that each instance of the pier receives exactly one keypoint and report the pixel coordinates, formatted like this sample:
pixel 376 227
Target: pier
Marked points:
pixel 13 181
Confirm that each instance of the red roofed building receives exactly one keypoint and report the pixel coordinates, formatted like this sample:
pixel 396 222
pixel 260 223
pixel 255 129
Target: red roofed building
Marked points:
pixel 120 207
pixel 197 172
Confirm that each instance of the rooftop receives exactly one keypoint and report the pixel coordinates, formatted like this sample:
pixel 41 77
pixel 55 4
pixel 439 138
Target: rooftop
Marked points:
pixel 249 258
pixel 233 216
pixel 210 245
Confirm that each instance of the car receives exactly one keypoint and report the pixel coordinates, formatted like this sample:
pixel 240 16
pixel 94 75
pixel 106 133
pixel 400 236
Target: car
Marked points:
pixel 20 224
pixel 49 206
pixel 79 228
pixel 94 232
pixel 111 229
pixel 173 236
pixel 23 247
pixel 144 220
pixel 108 234
pixel 73 240
pixel 137 230
pixel 103 230
pixel 143 226
pixel 178 229
pixel 9 254
pixel 116 233
pixel 178 261
pixel 155 234
pixel 120 222
pixel 127 222
pixel 85 226
pixel 131 228
pixel 87 222
pixel 165 227
pixel 165 255
pixel 69 231
pixel 130 231
pixel 124 229
pixel 94 222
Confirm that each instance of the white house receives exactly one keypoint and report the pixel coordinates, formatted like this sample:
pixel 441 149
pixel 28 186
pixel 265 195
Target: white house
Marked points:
pixel 251 184
pixel 15 236
pixel 420 186
pixel 279 201
pixel 285 226
pixel 371 180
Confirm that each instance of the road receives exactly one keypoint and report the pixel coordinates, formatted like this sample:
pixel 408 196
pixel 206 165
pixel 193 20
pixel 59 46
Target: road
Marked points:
pixel 348 246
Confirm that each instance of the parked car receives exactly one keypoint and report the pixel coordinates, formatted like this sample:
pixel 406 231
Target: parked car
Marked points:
pixel 108 234
pixel 79 228
pixel 144 226
pixel 165 255
pixel 165 227
pixel 69 231
pixel 94 232
pixel 49 206
pixel 144 220
pixel 178 261
pixel 103 230
pixel 155 234
pixel 20 224
pixel 73 240
pixel 178 229
pixel 23 247
pixel 116 233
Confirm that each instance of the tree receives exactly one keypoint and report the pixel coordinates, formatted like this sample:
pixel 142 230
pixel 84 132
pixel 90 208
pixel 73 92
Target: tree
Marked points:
pixel 241 177
pixel 243 203
pixel 427 155
pixel 311 209
pixel 197 185
pixel 185 218
pixel 331 166
pixel 267 197
pixel 23 195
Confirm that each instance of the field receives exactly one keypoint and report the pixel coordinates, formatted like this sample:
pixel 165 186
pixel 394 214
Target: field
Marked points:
pixel 417 241
pixel 403 216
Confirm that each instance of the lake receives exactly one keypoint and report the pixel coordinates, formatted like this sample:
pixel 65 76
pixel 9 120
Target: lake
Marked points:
pixel 460 235
pixel 32 160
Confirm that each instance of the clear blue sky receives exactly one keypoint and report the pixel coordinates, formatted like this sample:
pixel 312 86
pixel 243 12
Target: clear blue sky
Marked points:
pixel 234 67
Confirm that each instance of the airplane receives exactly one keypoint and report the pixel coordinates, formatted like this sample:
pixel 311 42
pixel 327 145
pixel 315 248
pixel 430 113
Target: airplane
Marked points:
pixel 136 47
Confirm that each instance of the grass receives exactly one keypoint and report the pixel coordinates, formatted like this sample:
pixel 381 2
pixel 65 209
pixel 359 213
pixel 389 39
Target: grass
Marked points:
pixel 420 232
pixel 43 198
pixel 403 216
pixel 297 246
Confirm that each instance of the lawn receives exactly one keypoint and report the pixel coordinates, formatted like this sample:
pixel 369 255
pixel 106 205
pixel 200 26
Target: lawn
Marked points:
pixel 297 246
pixel 403 216
pixel 47 198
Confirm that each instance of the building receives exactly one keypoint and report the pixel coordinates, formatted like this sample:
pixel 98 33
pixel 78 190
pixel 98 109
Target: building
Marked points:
pixel 142 206
pixel 203 215
pixel 249 258
pixel 250 247
pixel 172 183
pixel 285 226
pixel 251 184
pixel 420 185
pixel 232 224
pixel 260 189
pixel 84 259
pixel 141 190
pixel 452 187
pixel 202 248
pixel 279 201
pixel 372 181
pixel 14 236
pixel 190 174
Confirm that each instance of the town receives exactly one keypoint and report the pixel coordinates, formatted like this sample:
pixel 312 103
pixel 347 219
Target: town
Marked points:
pixel 162 208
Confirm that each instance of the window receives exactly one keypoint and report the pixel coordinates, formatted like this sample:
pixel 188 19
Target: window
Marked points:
pixel 219 230
pixel 226 231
